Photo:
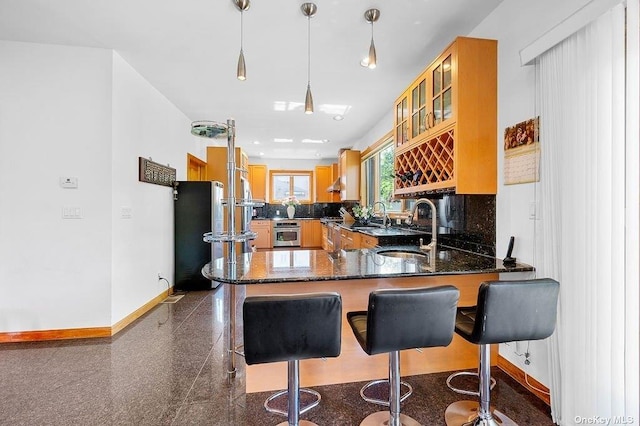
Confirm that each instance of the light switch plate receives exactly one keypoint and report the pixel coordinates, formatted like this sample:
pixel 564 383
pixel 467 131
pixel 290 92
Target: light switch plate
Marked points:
pixel 71 212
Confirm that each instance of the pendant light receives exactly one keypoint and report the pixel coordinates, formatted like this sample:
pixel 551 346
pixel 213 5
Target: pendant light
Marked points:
pixel 372 16
pixel 242 5
pixel 308 10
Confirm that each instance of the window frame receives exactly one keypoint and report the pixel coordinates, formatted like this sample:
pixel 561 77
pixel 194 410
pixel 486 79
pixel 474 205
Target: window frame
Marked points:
pixel 291 174
pixel 373 151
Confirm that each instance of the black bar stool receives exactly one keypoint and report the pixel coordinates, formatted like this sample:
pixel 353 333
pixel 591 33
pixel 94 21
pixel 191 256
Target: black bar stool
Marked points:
pixel 506 311
pixel 290 328
pixel 399 319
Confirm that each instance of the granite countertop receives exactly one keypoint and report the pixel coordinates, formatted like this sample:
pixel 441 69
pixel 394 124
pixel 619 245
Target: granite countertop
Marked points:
pixel 318 265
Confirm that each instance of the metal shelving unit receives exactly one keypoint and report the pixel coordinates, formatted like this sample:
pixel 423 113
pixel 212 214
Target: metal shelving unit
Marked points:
pixel 214 130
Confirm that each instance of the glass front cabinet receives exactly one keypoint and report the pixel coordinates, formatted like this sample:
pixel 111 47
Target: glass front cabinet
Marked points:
pixel 446 124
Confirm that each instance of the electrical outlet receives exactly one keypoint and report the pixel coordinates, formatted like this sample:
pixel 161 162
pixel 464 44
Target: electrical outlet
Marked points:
pixel 398 221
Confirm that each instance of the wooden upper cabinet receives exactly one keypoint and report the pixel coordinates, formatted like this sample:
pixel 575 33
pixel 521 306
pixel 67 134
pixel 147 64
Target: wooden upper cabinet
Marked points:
pixel 217 166
pixel 322 180
pixel 258 181
pixel 451 124
pixel 349 175
pixel 335 176
pixel 401 119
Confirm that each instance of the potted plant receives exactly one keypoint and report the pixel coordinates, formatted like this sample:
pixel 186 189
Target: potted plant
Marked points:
pixel 291 202
pixel 362 214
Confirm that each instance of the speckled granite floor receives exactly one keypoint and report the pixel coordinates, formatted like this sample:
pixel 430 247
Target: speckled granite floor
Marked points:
pixel 166 369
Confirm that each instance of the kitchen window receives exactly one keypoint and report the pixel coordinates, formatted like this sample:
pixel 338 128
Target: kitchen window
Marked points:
pixel 378 175
pixel 285 183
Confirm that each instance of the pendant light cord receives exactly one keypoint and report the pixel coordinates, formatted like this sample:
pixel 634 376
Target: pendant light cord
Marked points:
pixel 308 51
pixel 241 29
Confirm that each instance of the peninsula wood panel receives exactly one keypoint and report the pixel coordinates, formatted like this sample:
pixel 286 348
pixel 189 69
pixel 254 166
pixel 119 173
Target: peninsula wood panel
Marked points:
pixel 354 364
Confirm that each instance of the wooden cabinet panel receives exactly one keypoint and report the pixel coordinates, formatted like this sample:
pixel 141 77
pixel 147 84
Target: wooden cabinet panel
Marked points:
pixel 311 233
pixel 367 241
pixel 263 228
pixel 258 181
pixel 349 175
pixel 450 116
pixel 349 239
pixel 335 175
pixel 325 236
pixel 322 180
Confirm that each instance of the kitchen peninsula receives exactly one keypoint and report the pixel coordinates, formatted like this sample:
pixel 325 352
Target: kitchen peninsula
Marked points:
pixel 353 274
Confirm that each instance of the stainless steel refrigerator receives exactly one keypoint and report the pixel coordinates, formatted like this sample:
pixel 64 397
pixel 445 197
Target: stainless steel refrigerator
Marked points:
pixel 197 210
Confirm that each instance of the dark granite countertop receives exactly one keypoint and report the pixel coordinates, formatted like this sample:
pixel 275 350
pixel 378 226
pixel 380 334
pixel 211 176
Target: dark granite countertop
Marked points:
pixel 318 265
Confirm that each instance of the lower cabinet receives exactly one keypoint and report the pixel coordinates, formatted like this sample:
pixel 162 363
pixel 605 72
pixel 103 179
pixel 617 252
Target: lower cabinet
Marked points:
pixel 367 241
pixel 325 237
pixel 349 239
pixel 311 233
pixel 263 229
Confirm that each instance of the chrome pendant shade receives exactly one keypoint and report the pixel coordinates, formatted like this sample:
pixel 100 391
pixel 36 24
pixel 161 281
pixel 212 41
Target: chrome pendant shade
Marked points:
pixel 308 101
pixel 241 72
pixel 372 16
pixel 242 67
pixel 308 10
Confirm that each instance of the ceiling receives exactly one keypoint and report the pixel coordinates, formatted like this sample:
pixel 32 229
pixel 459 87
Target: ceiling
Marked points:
pixel 189 49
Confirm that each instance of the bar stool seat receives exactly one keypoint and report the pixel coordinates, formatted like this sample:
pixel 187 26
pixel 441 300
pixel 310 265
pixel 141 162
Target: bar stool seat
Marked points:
pixel 398 319
pixel 506 311
pixel 290 328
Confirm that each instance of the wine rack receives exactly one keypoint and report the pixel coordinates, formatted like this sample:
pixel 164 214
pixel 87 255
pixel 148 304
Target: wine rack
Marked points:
pixel 445 124
pixel 426 166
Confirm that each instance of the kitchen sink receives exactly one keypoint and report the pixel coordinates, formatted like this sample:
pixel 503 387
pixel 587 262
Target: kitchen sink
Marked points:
pixel 403 254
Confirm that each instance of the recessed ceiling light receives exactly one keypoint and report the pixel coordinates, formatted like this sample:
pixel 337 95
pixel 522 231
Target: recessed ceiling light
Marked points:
pixel 338 117
pixel 256 142
pixel 282 140
pixel 365 62
pixel 313 141
pixel 261 154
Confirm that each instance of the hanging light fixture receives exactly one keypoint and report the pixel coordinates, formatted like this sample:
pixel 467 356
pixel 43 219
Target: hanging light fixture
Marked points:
pixel 242 5
pixel 372 16
pixel 308 10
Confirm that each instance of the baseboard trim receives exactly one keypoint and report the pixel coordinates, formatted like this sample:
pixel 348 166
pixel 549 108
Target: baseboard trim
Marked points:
pixel 120 325
pixel 82 333
pixel 518 375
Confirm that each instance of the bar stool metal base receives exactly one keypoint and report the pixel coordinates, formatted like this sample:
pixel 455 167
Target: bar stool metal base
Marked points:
pixel 464 391
pixel 306 408
pixel 465 413
pixel 300 423
pixel 382 402
pixel 383 418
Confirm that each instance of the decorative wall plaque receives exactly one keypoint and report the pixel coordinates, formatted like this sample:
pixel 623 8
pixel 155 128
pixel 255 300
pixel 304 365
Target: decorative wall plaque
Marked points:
pixel 158 174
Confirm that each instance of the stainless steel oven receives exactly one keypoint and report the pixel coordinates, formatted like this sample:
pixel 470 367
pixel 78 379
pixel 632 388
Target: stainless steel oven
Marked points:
pixel 286 233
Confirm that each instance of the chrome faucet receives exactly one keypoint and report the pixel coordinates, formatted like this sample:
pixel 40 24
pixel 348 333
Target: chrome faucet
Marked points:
pixel 385 216
pixel 431 247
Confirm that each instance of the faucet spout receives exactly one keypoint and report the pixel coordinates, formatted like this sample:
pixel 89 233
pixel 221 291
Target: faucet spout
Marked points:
pixel 385 216
pixel 434 227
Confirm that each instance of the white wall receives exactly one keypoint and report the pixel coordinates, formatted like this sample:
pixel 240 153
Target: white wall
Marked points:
pixel 515 24
pixel 85 113
pixel 145 124
pixel 55 120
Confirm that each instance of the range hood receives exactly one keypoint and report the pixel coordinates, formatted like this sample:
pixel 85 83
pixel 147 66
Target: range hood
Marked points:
pixel 335 186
